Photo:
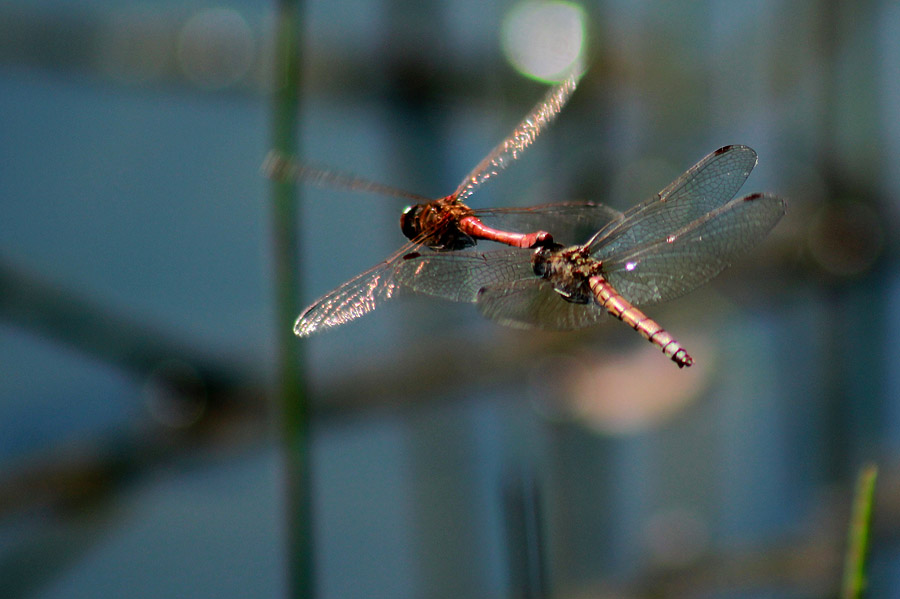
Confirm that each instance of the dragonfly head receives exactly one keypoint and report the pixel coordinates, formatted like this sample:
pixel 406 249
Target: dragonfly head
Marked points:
pixel 410 222
pixel 434 226
pixel 542 257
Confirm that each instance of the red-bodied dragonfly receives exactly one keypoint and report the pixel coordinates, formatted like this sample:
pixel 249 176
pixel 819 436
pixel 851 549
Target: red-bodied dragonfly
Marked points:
pixel 446 223
pixel 654 252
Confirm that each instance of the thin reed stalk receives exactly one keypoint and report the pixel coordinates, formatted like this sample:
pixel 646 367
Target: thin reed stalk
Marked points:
pixel 290 392
pixel 854 583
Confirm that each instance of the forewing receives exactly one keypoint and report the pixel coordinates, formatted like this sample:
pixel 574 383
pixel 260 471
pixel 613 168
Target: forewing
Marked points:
pixel 458 276
pixel 360 295
pixel 533 303
pixel 521 137
pixel 569 223
pixel 664 269
pixel 706 186
pixel 280 167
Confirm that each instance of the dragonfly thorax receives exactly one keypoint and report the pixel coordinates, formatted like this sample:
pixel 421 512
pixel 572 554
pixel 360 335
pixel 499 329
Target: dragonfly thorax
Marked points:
pixel 568 270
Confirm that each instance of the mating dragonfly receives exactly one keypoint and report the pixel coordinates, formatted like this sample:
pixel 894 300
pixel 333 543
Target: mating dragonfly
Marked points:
pixel 446 223
pixel 654 252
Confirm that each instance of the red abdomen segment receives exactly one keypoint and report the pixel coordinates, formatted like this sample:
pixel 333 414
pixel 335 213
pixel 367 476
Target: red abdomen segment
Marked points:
pixel 472 226
pixel 622 309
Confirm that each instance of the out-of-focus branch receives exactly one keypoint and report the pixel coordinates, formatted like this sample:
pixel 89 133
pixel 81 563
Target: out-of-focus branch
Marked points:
pixel 44 308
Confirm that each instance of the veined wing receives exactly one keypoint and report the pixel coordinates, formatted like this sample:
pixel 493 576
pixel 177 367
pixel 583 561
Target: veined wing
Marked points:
pixel 280 167
pixel 704 187
pixel 667 267
pixel 521 137
pixel 503 286
pixel 458 276
pixel 569 223
pixel 534 303
pixel 360 295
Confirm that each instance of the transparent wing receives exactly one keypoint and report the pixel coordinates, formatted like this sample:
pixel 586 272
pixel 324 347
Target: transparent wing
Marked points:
pixel 533 303
pixel 280 167
pixel 673 264
pixel 570 223
pixel 522 136
pixel 704 187
pixel 458 276
pixel 358 296
pixel 501 283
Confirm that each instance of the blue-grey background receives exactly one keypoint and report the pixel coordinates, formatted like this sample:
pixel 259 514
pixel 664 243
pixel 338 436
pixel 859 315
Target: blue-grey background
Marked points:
pixel 452 458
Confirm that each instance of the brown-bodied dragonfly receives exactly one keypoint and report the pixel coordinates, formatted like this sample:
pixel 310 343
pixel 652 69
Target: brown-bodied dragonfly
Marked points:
pixel 654 252
pixel 446 223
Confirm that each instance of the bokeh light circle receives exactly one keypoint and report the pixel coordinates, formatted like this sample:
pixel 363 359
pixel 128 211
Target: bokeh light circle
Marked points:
pixel 545 40
pixel 846 238
pixel 216 48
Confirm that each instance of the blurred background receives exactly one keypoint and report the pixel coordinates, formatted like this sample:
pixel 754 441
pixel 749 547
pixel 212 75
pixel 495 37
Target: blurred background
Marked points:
pixel 451 457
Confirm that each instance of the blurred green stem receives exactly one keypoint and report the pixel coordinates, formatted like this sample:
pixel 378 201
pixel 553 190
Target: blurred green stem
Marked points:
pixel 858 535
pixel 293 406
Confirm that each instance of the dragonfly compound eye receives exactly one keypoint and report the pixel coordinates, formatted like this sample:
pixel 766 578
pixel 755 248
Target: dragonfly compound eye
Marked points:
pixel 409 221
pixel 540 259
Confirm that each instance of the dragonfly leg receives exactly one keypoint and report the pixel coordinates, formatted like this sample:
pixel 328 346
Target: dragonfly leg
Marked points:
pixel 649 329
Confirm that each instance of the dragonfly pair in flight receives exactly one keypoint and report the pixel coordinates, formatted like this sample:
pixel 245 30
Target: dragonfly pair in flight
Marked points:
pixel 656 251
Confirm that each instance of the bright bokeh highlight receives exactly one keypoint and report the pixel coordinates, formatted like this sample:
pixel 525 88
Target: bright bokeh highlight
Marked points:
pixel 216 48
pixel 545 40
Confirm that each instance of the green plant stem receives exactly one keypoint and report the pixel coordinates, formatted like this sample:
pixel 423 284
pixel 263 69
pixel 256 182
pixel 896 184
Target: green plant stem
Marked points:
pixel 293 404
pixel 858 535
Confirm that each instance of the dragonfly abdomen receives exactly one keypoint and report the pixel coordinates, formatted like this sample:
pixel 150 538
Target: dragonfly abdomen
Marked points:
pixel 473 227
pixel 649 329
